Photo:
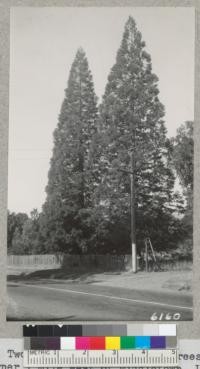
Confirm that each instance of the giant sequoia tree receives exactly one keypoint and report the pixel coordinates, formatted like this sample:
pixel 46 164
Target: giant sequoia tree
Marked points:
pixel 132 121
pixel 73 174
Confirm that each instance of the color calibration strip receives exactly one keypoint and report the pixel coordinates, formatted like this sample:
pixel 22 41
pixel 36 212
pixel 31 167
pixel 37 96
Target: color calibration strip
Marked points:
pixel 100 343
pixel 92 330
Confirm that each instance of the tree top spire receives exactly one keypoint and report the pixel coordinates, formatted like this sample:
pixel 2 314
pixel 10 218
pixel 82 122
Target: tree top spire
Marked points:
pixel 130 22
pixel 132 36
pixel 80 52
pixel 130 25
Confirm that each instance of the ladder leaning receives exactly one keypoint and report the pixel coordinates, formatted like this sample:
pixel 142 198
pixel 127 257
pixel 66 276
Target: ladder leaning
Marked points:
pixel 149 249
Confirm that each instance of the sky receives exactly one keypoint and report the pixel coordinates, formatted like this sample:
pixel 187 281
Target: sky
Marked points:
pixel 43 44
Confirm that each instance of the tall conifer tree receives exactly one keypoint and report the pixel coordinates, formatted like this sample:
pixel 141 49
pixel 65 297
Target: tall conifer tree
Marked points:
pixel 132 120
pixel 73 175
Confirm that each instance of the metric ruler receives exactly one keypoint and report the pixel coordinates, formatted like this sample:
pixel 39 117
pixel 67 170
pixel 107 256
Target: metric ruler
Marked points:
pixel 100 358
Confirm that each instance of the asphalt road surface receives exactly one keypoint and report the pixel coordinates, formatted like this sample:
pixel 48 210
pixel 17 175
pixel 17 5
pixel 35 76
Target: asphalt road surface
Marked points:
pixel 51 300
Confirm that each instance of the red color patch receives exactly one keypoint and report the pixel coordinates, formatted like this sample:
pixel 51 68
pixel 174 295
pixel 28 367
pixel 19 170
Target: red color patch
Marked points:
pixel 97 343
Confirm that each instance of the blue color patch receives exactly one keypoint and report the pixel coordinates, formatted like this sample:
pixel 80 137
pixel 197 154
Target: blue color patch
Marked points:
pixel 142 342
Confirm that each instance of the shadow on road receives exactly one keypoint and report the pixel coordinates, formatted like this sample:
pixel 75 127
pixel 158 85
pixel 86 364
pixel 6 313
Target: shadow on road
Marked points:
pixel 60 274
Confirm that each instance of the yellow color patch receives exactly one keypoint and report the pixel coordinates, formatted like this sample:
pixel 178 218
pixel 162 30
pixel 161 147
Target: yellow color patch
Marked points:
pixel 112 343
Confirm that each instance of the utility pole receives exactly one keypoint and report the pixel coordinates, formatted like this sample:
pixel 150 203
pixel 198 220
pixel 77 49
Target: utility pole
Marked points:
pixel 133 214
pixel 131 172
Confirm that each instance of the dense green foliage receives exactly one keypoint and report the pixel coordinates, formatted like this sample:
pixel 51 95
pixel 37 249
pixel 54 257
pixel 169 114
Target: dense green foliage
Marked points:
pixel 14 229
pixel 183 162
pixel 183 151
pixel 73 174
pixel 132 120
pixel 25 237
pixel 87 208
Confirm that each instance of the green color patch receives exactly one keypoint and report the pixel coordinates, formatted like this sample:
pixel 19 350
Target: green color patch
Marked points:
pixel 127 342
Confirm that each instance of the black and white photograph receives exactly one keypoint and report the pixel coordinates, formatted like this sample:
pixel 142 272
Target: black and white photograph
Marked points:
pixel 100 164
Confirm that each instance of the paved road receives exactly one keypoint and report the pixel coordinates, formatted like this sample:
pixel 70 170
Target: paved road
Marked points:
pixel 47 300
